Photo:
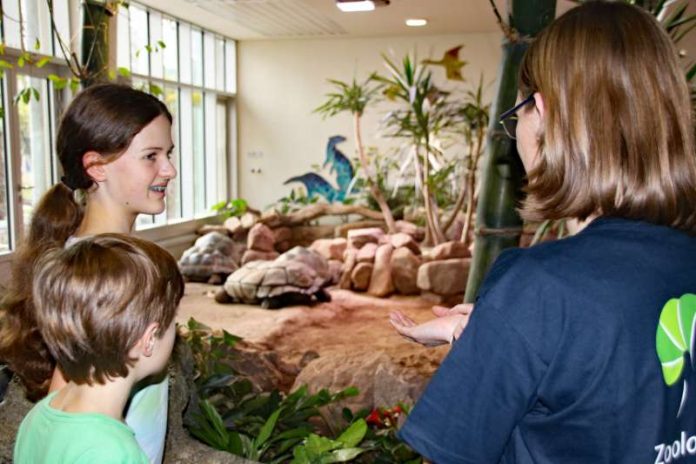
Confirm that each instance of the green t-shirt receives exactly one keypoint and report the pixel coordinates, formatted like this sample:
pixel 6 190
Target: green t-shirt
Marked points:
pixel 48 435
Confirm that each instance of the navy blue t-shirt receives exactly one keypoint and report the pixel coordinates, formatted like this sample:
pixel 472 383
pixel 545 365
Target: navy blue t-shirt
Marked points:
pixel 559 362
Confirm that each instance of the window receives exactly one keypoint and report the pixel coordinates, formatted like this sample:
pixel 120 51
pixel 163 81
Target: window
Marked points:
pixel 28 166
pixel 192 70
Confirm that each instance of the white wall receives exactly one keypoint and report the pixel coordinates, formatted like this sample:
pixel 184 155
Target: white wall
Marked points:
pixel 281 82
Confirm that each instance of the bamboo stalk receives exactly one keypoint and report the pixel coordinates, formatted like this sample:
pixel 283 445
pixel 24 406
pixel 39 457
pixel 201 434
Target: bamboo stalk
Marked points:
pixel 497 220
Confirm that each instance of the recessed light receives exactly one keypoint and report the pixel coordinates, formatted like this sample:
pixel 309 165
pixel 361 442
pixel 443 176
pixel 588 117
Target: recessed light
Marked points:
pixel 416 22
pixel 350 6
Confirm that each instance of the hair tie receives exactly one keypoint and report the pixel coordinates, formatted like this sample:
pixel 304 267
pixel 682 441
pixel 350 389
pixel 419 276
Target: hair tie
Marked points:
pixel 64 181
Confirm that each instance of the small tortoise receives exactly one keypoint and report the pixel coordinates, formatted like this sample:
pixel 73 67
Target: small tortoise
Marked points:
pixel 210 259
pixel 297 277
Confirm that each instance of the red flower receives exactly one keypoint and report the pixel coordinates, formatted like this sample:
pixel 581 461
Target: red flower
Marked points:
pixel 374 418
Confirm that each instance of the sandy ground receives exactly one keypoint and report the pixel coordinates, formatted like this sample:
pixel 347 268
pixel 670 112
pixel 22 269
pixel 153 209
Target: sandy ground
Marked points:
pixel 350 322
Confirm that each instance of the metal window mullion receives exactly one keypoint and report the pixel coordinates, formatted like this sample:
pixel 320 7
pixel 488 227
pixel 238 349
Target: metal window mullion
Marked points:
pixel 14 167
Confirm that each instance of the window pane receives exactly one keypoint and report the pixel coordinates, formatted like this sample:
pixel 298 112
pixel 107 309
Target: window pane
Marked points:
pixel 221 152
pixel 4 218
pixel 231 66
pixel 198 153
pixel 185 53
pixel 123 44
pixel 37 26
pixel 35 143
pixel 219 63
pixel 61 17
pixel 197 56
pixel 211 180
pixel 185 151
pixel 169 53
pixel 156 67
pixel 209 59
pixel 138 29
pixel 11 28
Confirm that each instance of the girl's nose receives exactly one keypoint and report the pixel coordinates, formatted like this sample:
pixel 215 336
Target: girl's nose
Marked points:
pixel 168 170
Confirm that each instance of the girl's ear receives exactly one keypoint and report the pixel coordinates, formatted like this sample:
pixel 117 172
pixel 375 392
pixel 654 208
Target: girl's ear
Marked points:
pixel 539 104
pixel 93 163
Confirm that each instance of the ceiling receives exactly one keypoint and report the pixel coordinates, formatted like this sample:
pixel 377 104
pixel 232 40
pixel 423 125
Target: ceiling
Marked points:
pixel 296 19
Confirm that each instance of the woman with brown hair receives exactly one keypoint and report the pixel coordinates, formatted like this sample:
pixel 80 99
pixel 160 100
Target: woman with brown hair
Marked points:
pixel 114 145
pixel 579 350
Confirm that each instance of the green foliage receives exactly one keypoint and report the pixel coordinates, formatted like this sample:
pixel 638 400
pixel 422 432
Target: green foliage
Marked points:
pixel 353 97
pixel 320 450
pixel 272 426
pixel 230 208
pixel 294 201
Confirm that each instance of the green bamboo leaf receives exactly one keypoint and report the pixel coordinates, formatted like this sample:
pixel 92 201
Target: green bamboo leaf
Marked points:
pixel 125 72
pixel 37 44
pixel 35 93
pixel 58 82
pixel 5 64
pixel 161 44
pixel 155 90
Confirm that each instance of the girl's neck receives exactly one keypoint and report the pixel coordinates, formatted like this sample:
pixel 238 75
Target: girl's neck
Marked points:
pixel 109 398
pixel 99 219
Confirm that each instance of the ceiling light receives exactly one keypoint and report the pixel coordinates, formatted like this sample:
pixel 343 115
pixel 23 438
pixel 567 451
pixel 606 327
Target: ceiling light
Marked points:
pixel 355 5
pixel 416 22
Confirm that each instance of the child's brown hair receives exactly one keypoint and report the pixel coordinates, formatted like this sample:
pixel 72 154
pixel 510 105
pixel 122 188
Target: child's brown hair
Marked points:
pixel 94 300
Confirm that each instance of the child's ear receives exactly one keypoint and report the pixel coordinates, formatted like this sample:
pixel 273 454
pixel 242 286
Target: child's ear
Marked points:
pixel 148 340
pixel 93 163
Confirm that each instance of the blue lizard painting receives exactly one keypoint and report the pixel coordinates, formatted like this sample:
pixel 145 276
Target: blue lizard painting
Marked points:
pixel 340 164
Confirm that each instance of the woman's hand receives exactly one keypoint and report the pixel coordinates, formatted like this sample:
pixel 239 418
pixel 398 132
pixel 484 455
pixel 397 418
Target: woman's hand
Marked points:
pixel 445 328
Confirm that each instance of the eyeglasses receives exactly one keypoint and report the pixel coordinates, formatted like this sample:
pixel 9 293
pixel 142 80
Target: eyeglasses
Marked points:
pixel 509 118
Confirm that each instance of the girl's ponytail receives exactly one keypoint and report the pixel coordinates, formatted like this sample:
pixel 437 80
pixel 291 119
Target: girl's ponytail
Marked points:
pixel 55 218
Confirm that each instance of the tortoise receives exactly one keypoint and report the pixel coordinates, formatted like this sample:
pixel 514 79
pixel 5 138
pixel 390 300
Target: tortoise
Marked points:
pixel 297 277
pixel 210 259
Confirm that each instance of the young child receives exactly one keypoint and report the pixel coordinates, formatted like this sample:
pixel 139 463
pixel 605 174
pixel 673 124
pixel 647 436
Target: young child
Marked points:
pixel 105 307
pixel 114 145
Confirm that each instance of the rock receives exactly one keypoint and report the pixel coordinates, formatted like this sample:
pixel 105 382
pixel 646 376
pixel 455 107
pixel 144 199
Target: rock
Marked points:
pixel 404 271
pixel 306 235
pixel 282 247
pixel 248 219
pixel 260 238
pixel 349 261
pixel 180 447
pixel 448 250
pixel 444 300
pixel 382 382
pixel 233 225
pixel 342 230
pixel 12 410
pixel 418 233
pixel 253 255
pixel 454 233
pixel 282 234
pixel 367 253
pixel 330 248
pixel 360 276
pixel 335 270
pixel 359 237
pixel 402 239
pixel 446 277
pixel 381 284
pixel 208 228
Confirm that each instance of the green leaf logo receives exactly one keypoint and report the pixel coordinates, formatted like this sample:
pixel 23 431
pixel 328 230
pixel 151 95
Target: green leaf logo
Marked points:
pixel 674 336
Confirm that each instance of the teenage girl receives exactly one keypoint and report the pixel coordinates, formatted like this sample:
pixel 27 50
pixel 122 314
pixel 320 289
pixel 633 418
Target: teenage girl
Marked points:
pixel 114 145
